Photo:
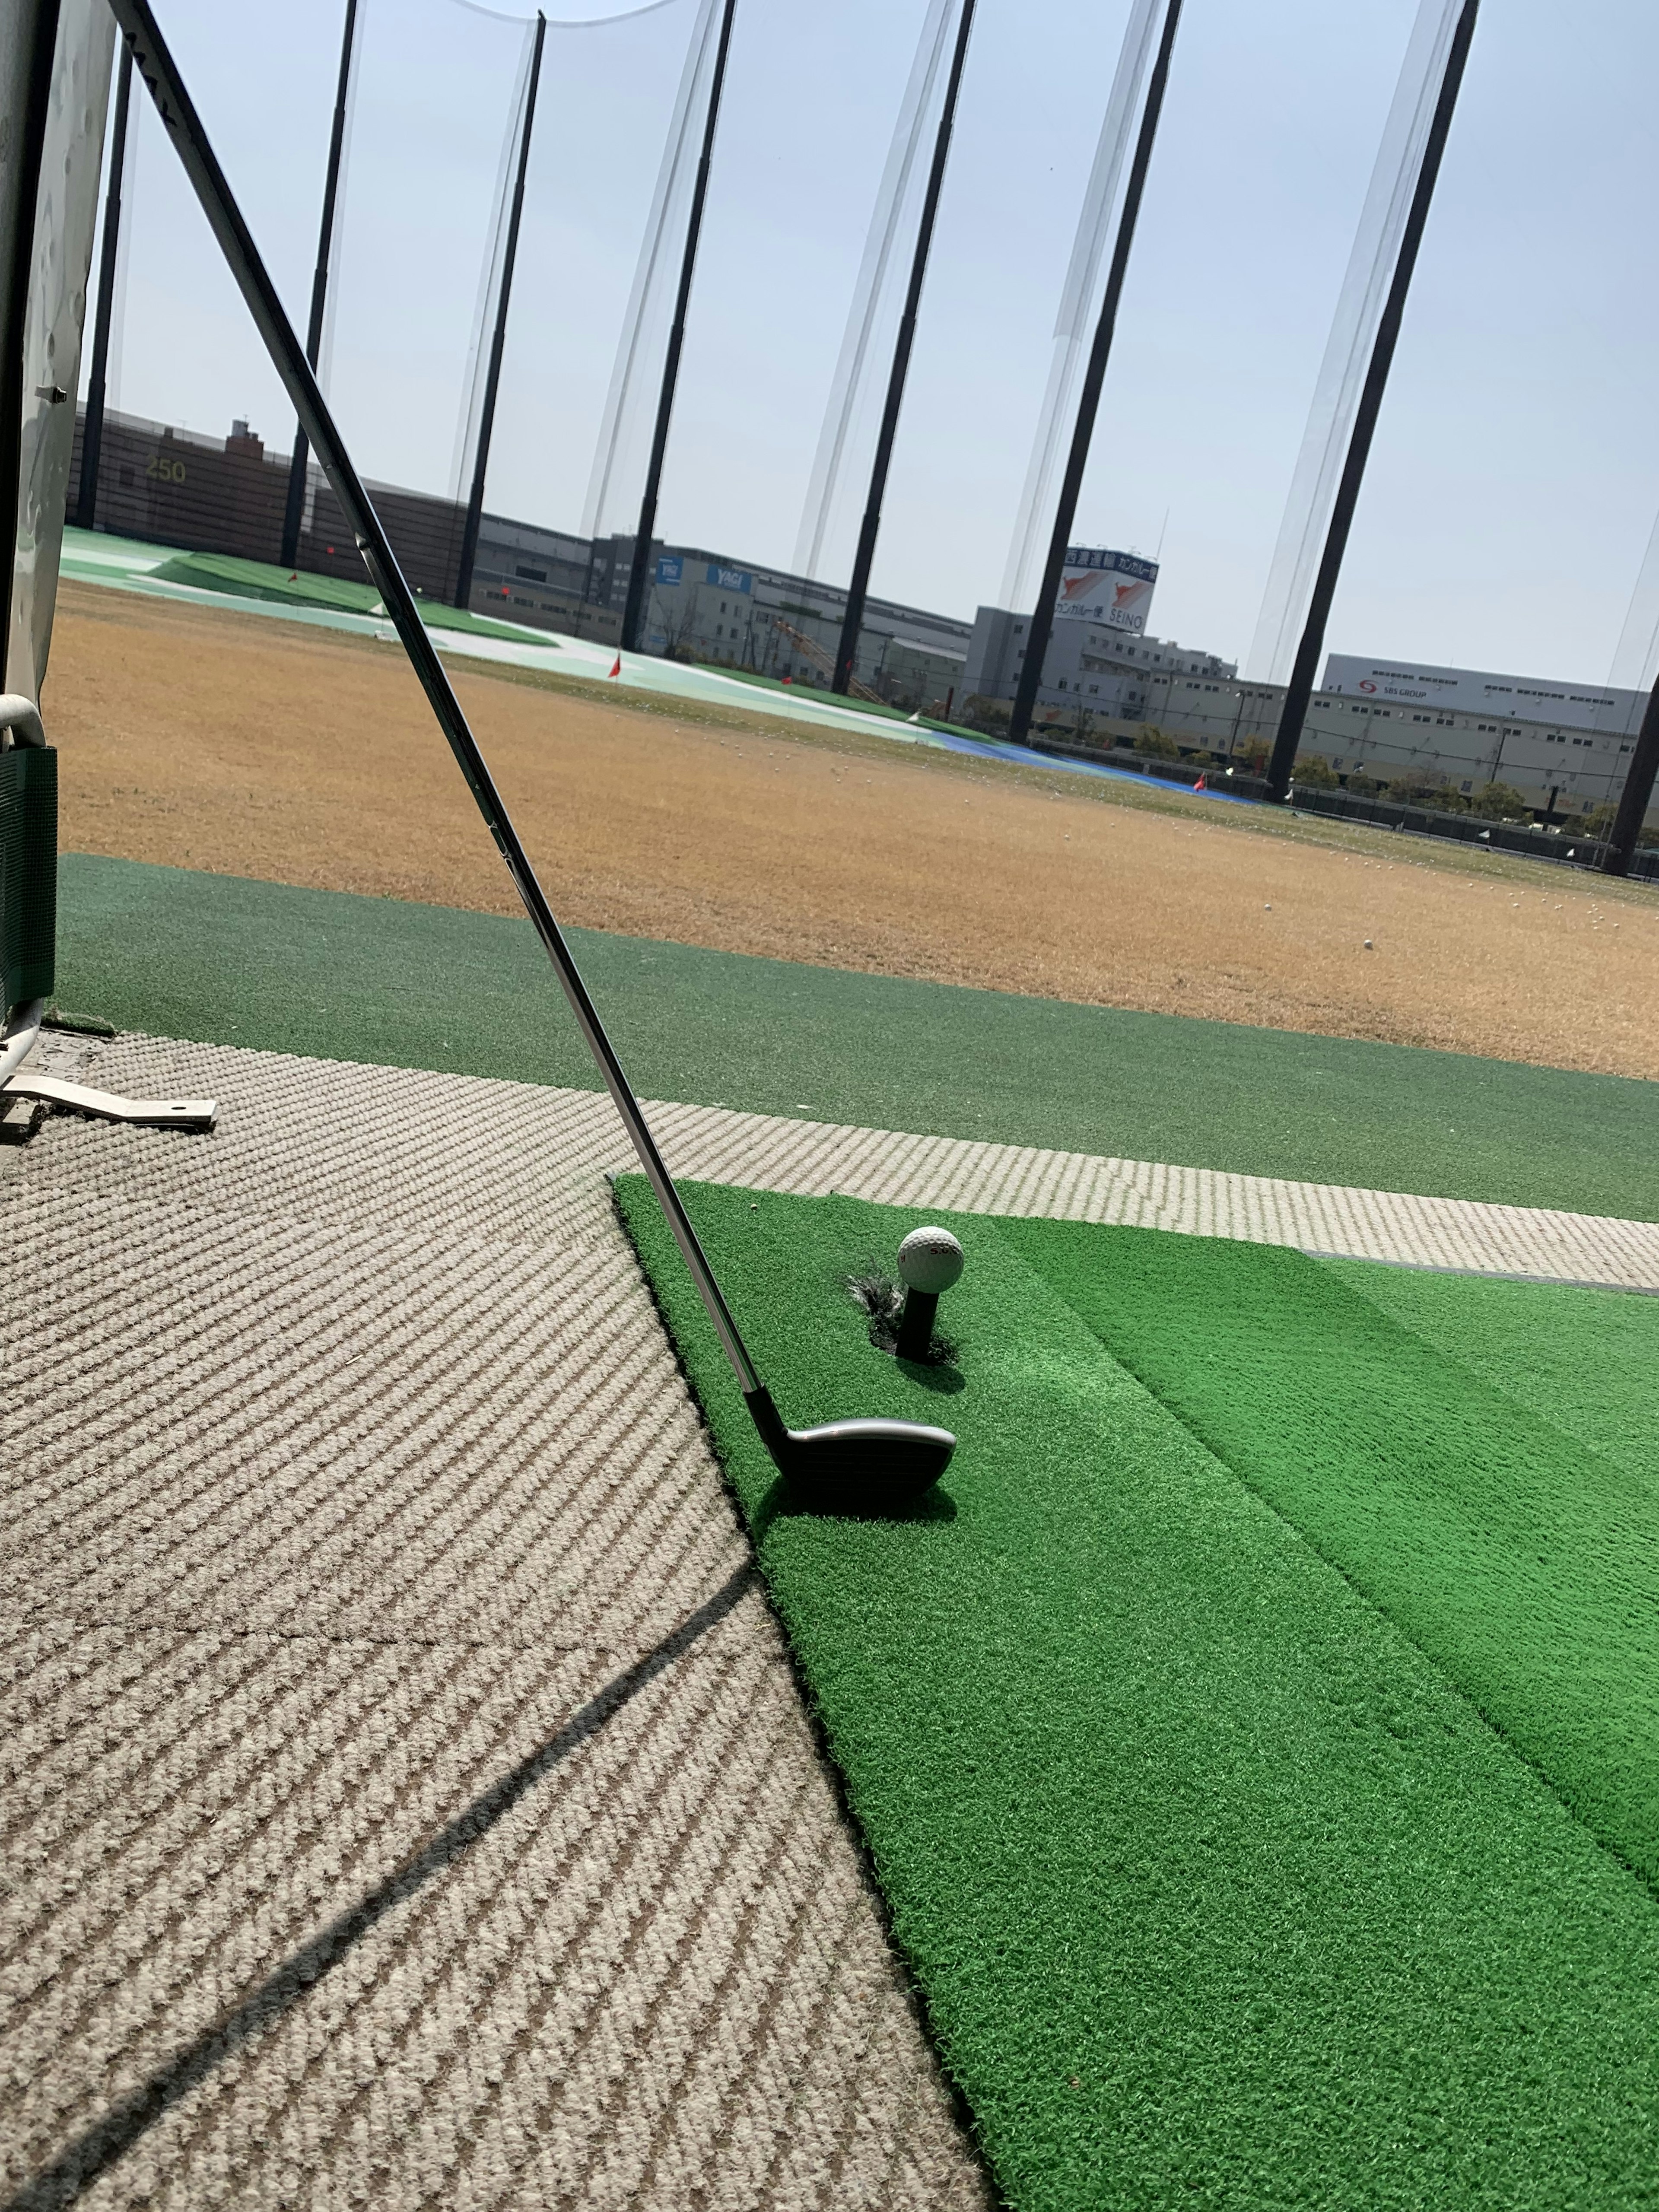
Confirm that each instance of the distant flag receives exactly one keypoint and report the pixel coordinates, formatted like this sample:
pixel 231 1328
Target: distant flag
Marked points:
pixel 1201 785
pixel 616 665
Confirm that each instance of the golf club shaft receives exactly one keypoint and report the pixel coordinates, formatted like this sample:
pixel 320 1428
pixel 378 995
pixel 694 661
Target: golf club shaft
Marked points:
pixel 155 66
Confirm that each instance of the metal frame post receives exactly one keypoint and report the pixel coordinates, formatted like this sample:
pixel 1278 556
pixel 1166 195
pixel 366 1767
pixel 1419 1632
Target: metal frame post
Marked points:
pixel 293 512
pixel 1041 624
pixel 634 605
pixel 1304 669
pixel 858 589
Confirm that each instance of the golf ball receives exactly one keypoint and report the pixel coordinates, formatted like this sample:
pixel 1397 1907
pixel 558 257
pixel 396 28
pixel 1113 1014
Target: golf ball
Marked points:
pixel 929 1260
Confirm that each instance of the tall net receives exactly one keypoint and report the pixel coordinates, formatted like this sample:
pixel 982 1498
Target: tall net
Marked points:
pixel 1347 352
pixel 493 264
pixel 625 427
pixel 858 358
pixel 1079 300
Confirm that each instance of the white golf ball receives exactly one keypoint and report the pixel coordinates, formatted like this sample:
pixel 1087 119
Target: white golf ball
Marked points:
pixel 929 1259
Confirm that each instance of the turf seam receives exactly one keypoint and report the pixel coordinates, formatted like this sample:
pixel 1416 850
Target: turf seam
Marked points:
pixel 916 1996
pixel 1456 1689
pixel 1482 1274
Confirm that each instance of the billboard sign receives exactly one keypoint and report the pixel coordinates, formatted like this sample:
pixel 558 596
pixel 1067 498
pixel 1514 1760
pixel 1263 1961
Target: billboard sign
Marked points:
pixel 1475 691
pixel 729 579
pixel 1098 586
pixel 670 569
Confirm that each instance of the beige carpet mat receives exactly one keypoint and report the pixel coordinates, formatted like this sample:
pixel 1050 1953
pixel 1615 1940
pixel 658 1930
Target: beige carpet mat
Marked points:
pixel 408 1800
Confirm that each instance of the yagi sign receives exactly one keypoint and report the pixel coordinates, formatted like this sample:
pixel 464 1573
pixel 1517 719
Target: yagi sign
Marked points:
pixel 1098 586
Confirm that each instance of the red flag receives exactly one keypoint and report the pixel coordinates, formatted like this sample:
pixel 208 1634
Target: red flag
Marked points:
pixel 1199 784
pixel 616 665
pixel 788 680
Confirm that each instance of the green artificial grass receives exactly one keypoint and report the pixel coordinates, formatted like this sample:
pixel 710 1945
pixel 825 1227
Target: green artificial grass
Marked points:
pixel 1587 1361
pixel 1520 1559
pixel 259 579
pixel 1216 1890
pixel 227 960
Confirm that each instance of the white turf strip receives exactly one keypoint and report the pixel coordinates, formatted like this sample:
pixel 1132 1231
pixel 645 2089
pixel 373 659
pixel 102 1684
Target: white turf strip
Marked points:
pixel 776 1154
pixel 520 1133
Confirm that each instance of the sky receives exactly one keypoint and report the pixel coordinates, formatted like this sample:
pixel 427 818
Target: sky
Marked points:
pixel 1514 480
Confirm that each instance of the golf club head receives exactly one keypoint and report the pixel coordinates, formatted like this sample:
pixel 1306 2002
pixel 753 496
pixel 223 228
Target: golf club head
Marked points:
pixel 853 1466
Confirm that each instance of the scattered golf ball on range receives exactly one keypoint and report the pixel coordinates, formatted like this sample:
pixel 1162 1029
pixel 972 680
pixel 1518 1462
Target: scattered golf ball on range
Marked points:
pixel 929 1262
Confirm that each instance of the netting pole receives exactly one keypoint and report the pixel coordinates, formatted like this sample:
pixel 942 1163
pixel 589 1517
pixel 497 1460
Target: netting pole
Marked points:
pixel 1305 668
pixel 1041 624
pixel 498 337
pixel 638 578
pixel 92 438
pixel 296 474
pixel 1637 791
pixel 858 589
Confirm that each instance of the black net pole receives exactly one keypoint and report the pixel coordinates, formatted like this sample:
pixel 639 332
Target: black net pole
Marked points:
pixel 1304 669
pixel 498 336
pixel 639 575
pixel 294 511
pixel 858 589
pixel 92 436
pixel 1100 353
pixel 1637 791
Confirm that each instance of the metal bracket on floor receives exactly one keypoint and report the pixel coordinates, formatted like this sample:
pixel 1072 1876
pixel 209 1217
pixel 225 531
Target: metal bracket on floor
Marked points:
pixel 17 1041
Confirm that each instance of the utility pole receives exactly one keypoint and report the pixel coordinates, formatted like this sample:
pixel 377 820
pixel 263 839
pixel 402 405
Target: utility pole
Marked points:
pixel 638 579
pixel 1100 353
pixel 858 589
pixel 1305 667
pixel 294 510
pixel 498 337
pixel 92 438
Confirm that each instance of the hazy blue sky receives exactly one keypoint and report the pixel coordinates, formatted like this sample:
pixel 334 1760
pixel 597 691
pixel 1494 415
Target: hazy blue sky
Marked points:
pixel 1516 473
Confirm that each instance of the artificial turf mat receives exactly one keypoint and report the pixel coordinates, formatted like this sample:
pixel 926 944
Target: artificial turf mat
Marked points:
pixel 229 961
pixel 1586 1361
pixel 1217 1891
pixel 1523 1560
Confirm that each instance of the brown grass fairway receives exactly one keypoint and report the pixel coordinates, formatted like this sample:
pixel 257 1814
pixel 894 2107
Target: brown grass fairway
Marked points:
pixel 209 739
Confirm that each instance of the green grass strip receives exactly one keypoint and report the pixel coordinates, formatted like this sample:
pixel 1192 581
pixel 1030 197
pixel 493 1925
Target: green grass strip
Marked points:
pixel 1522 1561
pixel 260 579
pixel 1584 1361
pixel 227 960
pixel 1217 1891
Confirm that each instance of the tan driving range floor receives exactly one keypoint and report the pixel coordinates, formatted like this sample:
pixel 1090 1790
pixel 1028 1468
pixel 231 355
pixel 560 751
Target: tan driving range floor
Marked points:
pixel 211 739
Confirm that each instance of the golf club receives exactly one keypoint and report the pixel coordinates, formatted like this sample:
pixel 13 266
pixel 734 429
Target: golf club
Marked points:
pixel 863 1465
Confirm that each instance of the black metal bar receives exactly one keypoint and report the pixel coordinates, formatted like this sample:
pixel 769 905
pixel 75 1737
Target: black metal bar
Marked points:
pixel 155 66
pixel 92 435
pixel 858 589
pixel 293 512
pixel 498 337
pixel 13 364
pixel 1637 792
pixel 1304 669
pixel 1041 628
pixel 638 575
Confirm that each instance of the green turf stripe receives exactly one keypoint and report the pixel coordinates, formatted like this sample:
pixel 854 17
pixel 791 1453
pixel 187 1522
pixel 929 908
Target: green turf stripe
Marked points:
pixel 1217 1891
pixel 1522 1562
pixel 235 962
pixel 1585 1361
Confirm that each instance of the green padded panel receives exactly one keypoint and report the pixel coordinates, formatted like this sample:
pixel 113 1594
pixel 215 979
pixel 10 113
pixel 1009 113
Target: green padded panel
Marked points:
pixel 29 872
